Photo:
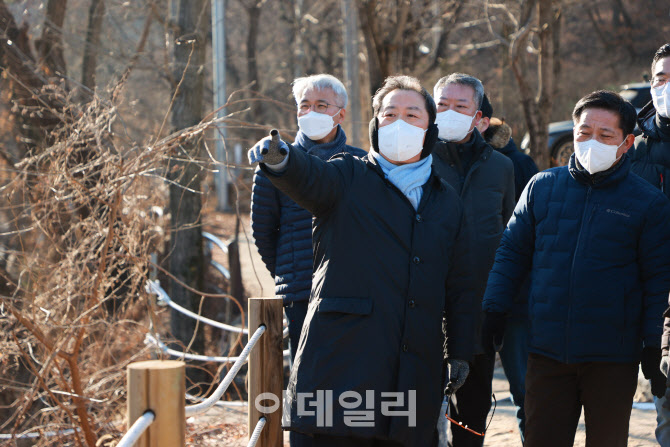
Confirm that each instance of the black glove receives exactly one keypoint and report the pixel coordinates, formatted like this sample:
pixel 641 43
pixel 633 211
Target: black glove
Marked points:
pixel 457 372
pixel 493 331
pixel 651 358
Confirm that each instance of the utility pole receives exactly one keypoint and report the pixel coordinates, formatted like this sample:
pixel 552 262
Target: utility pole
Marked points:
pixel 219 88
pixel 349 13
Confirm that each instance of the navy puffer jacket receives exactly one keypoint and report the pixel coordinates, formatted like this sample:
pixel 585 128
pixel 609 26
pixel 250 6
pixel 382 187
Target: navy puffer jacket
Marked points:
pixel 283 230
pixel 597 248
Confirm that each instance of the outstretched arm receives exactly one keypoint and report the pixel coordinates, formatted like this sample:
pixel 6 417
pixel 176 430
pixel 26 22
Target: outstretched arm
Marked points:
pixel 312 183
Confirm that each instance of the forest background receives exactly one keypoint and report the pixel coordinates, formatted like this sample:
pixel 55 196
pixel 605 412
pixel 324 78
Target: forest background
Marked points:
pixel 107 160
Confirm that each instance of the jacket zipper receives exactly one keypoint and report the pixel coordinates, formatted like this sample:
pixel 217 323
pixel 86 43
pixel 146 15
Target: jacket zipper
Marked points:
pixel 572 273
pixel 662 183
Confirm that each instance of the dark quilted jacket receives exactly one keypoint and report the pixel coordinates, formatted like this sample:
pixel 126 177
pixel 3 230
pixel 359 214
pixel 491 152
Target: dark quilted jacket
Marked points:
pixel 283 230
pixel 384 273
pixel 651 156
pixel 486 188
pixel 597 250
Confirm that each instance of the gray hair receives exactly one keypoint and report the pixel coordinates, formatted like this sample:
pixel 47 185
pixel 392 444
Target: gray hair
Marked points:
pixel 462 79
pixel 319 82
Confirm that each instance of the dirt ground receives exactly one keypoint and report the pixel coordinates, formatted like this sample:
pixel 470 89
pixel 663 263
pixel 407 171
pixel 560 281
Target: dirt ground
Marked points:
pixel 228 426
pixel 503 431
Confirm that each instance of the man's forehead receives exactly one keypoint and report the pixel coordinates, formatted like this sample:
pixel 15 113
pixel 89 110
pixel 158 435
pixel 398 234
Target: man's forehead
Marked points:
pixel 599 118
pixel 662 66
pixel 318 94
pixel 408 99
pixel 458 92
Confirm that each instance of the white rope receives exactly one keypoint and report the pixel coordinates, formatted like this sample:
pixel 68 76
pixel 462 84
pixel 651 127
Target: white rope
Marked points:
pixel 45 434
pixel 163 298
pixel 285 333
pixel 216 241
pixel 211 400
pixel 224 271
pixel 150 339
pixel 137 429
pixel 253 439
pixel 219 403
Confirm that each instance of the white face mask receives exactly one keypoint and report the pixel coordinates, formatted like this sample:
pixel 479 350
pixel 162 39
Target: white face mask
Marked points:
pixel 316 125
pixel 596 156
pixel 661 98
pixel 400 141
pixel 453 126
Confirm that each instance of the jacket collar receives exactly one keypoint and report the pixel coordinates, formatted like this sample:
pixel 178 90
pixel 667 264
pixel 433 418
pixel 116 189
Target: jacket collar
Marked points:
pixel 324 151
pixel 652 124
pixel 603 179
pixel 448 150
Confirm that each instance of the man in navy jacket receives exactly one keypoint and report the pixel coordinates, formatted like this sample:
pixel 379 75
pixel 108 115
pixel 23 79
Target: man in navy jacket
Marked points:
pixel 595 239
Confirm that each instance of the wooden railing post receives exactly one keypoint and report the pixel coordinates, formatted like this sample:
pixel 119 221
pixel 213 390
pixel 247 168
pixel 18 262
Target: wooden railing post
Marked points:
pixel 266 370
pixel 159 386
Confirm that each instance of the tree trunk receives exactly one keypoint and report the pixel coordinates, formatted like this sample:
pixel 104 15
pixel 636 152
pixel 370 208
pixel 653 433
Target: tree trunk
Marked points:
pixel 50 44
pixel 96 13
pixel 186 252
pixel 254 13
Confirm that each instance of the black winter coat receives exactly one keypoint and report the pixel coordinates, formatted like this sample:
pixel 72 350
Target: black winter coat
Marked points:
pixel 651 161
pixel 651 156
pixel 384 275
pixel 487 191
pixel 282 230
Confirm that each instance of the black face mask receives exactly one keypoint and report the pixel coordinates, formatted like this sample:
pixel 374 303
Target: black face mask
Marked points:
pixel 428 142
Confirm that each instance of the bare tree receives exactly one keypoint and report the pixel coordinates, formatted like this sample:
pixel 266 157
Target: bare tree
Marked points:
pixel 89 63
pixel 186 252
pixel 536 69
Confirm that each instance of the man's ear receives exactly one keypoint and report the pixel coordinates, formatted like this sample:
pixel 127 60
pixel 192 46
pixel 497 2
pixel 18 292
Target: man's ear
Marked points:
pixel 483 124
pixel 628 142
pixel 478 116
pixel 342 113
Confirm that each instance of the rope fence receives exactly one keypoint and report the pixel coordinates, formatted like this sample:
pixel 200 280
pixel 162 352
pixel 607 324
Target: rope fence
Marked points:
pixel 151 410
pixel 210 401
pixel 257 432
pixel 138 428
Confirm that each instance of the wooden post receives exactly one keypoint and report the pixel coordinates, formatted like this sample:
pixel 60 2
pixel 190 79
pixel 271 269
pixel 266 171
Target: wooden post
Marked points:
pixel 266 370
pixel 159 386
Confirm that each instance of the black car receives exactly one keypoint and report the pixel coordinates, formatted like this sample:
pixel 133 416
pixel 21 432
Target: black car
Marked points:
pixel 560 133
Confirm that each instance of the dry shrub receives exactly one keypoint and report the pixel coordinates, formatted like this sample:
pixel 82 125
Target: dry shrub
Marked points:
pixel 79 229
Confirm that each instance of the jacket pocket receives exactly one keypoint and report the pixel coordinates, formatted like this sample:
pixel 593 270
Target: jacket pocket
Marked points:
pixel 356 306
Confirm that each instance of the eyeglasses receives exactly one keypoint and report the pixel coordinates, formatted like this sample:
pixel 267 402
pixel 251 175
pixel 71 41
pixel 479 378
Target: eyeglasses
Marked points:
pixel 465 427
pixel 318 106
pixel 658 81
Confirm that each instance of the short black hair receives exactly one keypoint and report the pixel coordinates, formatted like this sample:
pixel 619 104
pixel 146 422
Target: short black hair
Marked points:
pixel 486 108
pixel 404 83
pixel 661 53
pixel 604 99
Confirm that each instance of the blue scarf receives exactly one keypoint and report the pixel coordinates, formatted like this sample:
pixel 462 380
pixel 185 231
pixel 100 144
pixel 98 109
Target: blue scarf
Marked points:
pixel 324 151
pixel 409 178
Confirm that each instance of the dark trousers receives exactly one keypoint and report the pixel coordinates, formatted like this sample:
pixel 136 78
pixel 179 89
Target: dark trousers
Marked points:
pixel 471 403
pixel 556 392
pixel 344 441
pixel 296 312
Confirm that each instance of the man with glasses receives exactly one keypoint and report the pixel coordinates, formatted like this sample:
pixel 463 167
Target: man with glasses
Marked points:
pixel 281 228
pixel 651 161
pixel 595 240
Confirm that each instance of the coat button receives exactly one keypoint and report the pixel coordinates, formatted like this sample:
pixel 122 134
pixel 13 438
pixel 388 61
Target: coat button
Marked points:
pixel 416 260
pixel 419 218
pixel 404 348
pixel 412 304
